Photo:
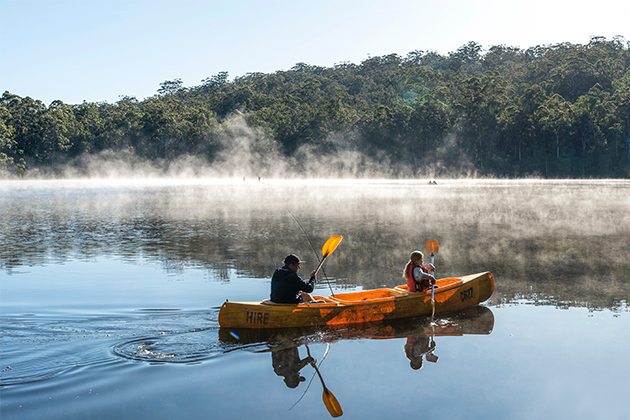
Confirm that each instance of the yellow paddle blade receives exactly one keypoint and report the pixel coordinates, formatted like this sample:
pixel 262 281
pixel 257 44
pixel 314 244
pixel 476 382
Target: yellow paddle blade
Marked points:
pixel 433 247
pixel 330 245
pixel 331 403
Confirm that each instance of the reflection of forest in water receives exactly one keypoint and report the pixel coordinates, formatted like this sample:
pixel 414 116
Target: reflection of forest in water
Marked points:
pixel 553 242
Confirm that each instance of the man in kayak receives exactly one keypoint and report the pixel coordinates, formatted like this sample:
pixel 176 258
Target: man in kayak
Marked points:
pixel 287 286
pixel 416 273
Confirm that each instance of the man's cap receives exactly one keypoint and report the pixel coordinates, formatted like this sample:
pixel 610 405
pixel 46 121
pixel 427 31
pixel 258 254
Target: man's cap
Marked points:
pixel 292 259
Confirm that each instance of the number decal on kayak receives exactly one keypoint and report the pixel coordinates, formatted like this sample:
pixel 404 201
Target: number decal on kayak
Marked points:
pixel 257 317
pixel 466 294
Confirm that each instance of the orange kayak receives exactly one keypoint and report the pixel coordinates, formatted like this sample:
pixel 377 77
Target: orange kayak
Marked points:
pixel 452 294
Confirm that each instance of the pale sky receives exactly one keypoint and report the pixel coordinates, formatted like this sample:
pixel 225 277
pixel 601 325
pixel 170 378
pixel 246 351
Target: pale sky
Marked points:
pixel 98 50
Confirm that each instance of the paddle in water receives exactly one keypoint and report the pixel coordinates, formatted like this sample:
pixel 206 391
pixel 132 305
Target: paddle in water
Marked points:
pixel 432 249
pixel 331 403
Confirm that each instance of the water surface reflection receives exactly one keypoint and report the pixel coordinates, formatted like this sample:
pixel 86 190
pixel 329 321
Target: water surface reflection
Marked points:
pixel 419 334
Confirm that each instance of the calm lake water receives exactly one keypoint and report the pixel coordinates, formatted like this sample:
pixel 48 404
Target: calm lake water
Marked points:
pixel 110 292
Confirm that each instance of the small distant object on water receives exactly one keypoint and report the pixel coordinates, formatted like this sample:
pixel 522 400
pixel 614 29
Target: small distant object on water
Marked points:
pixel 432 182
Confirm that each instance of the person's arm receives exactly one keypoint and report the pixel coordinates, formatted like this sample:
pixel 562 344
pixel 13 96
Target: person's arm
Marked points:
pixel 305 362
pixel 429 277
pixel 312 280
pixel 309 286
pixel 302 285
pixel 420 275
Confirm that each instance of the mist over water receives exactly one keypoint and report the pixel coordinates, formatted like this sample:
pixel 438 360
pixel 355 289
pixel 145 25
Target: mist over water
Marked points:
pixel 561 241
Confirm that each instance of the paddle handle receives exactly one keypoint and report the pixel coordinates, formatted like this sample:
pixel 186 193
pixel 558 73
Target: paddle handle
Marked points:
pixel 432 289
pixel 320 265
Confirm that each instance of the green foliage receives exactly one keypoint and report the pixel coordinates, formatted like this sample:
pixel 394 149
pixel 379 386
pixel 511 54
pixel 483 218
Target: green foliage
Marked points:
pixel 553 111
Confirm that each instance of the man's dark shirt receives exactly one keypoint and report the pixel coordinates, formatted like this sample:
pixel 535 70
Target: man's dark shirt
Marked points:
pixel 285 286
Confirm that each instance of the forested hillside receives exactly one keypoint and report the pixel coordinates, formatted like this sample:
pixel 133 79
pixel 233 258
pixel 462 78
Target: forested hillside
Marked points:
pixel 555 111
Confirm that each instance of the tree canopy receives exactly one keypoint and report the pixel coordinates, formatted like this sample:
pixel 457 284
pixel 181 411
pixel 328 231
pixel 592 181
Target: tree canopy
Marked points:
pixel 555 111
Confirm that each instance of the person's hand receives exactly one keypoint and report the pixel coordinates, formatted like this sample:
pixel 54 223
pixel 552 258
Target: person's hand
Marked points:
pixel 313 274
pixel 429 266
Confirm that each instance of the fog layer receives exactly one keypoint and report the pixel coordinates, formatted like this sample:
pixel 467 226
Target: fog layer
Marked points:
pixel 553 242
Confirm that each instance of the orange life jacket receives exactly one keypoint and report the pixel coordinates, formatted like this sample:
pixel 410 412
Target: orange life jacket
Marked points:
pixel 417 286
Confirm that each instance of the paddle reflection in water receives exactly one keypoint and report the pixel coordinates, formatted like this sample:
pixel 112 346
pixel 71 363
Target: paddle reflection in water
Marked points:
pixel 419 335
pixel 330 401
pixel 286 362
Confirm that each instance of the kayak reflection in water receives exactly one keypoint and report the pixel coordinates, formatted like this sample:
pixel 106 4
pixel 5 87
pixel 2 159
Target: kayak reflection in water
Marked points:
pixel 286 362
pixel 418 346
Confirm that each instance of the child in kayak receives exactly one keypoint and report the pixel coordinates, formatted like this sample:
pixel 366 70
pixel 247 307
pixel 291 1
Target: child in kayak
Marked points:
pixel 417 273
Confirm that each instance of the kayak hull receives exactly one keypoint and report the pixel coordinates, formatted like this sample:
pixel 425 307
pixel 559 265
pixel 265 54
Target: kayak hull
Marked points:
pixel 360 307
pixel 474 320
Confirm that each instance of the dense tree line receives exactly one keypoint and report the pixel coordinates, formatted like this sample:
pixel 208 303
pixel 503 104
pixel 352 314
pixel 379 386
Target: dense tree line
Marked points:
pixel 551 111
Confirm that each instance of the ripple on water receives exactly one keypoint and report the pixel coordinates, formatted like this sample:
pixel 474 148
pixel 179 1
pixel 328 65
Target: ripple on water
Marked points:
pixel 188 347
pixel 38 348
